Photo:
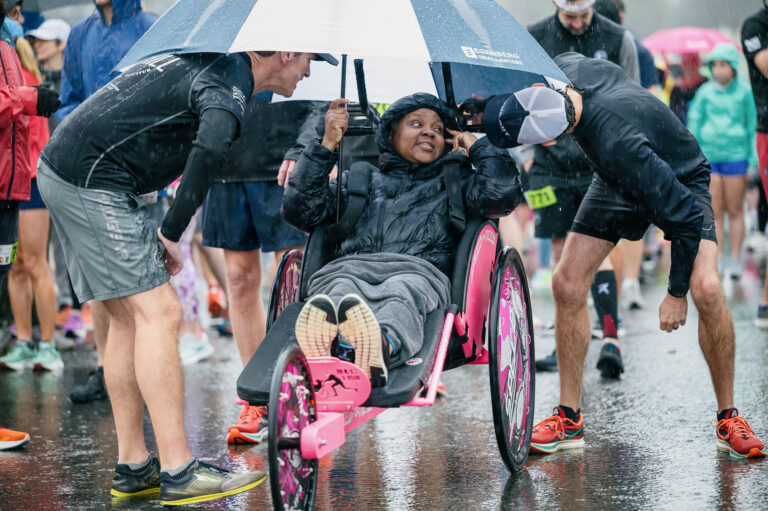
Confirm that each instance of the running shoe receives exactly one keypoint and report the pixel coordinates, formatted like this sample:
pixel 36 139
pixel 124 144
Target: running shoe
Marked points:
pixel 359 328
pixel 201 482
pixel 548 364
pixel 610 363
pixel 217 302
pixel 557 432
pixel 92 388
pixel 631 298
pixel 316 326
pixel 63 343
pixel 734 268
pixel 19 356
pixel 225 328
pixel 63 315
pixel 133 483
pixel 735 436
pixel 192 350
pixel 74 327
pixel 10 439
pixel 251 427
pixel 47 358
pixel 761 321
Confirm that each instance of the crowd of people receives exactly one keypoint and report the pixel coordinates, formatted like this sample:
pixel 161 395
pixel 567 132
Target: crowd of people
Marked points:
pixel 133 237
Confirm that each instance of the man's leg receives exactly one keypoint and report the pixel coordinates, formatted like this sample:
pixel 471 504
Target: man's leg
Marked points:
pixel 246 308
pixel 735 187
pixel 633 258
pixel 582 256
pixel 716 335
pixel 157 314
pixel 120 376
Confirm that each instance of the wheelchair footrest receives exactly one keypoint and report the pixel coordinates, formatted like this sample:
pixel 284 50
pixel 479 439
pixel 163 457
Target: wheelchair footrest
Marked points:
pixel 339 386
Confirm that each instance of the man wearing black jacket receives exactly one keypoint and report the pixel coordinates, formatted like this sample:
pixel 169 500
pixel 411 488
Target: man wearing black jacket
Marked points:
pixel 167 116
pixel 649 170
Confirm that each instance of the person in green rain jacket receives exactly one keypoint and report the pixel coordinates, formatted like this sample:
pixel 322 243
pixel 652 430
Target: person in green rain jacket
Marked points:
pixel 723 119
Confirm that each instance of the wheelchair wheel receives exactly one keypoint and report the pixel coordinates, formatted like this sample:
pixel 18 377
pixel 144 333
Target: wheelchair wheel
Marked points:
pixel 511 364
pixel 285 288
pixel 293 479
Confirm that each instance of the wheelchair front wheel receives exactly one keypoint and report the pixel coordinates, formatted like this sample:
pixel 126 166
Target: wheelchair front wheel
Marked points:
pixel 293 479
pixel 511 360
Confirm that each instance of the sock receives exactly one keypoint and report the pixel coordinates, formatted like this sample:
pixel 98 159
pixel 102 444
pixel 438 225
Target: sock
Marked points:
pixel 181 469
pixel 604 295
pixel 568 412
pixel 138 466
pixel 727 414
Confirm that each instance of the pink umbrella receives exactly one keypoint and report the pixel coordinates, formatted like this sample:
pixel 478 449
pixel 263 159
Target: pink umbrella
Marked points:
pixel 685 40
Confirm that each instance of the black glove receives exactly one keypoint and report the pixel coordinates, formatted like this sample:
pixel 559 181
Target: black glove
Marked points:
pixel 47 101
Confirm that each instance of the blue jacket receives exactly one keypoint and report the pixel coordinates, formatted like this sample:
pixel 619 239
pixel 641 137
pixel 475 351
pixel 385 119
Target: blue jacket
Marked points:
pixel 94 49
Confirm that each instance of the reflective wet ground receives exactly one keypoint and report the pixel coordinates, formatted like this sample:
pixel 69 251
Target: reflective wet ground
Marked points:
pixel 650 437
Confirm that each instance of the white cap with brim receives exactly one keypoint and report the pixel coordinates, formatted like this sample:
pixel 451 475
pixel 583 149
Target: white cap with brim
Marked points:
pixel 530 116
pixel 50 30
pixel 572 6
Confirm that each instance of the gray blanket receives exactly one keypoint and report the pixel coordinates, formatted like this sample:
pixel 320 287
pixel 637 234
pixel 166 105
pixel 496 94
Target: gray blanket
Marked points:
pixel 400 289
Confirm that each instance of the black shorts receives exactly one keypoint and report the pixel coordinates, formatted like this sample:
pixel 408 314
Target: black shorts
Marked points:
pixel 555 206
pixel 608 215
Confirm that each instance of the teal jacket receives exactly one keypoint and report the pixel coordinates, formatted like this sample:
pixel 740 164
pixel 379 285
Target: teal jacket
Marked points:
pixel 724 119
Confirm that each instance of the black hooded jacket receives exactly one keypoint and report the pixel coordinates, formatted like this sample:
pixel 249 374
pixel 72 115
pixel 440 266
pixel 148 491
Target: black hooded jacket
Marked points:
pixel 407 207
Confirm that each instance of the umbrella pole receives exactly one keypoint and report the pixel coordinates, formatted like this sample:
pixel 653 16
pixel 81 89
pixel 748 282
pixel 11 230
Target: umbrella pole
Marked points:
pixel 341 143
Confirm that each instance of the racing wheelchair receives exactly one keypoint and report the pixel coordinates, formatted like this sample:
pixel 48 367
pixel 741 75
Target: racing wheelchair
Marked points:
pixel 314 402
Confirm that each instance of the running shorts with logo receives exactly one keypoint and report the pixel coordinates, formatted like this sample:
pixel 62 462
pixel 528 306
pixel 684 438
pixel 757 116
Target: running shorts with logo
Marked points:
pixel 246 216
pixel 555 201
pixel 109 238
pixel 607 214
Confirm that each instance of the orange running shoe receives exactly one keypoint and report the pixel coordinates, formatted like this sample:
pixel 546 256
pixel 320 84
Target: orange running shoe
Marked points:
pixel 63 315
pixel 251 427
pixel 10 439
pixel 735 436
pixel 217 302
pixel 557 432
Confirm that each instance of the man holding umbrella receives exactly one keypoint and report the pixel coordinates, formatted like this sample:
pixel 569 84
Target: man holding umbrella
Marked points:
pixel 167 116
pixel 649 170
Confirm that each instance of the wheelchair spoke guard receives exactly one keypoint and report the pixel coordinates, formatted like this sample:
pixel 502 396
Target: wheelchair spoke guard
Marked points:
pixel 293 479
pixel 511 364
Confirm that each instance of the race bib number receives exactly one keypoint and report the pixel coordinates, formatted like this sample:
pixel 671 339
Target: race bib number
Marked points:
pixel 541 198
pixel 8 253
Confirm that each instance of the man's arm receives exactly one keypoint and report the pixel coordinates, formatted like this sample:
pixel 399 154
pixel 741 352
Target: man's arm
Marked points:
pixel 640 173
pixel 214 138
pixel 628 57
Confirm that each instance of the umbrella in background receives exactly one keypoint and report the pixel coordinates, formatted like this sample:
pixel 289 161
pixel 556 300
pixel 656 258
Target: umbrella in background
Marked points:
pixel 686 40
pixel 467 46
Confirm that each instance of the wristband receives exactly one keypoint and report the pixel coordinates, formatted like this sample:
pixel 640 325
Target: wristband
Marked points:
pixel 677 290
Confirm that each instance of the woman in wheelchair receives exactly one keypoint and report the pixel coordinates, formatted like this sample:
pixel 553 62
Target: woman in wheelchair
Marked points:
pixel 368 305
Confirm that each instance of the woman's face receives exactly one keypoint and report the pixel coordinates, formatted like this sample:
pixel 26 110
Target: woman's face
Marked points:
pixel 419 136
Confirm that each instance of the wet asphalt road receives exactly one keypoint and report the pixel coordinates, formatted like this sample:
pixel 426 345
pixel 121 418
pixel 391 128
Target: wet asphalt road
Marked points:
pixel 650 438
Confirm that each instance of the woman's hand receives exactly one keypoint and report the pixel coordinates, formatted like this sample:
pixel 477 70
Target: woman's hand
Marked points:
pixel 461 139
pixel 336 122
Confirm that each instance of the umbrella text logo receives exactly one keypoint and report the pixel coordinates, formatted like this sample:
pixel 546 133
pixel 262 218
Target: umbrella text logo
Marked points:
pixel 492 55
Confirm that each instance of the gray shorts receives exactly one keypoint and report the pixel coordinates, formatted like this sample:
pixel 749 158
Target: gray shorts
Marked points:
pixel 109 240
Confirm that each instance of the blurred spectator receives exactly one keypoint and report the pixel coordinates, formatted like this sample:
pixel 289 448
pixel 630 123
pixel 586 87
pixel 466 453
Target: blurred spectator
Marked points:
pixel 30 279
pixel 754 38
pixel 94 47
pixel 688 79
pixel 722 117
pixel 49 41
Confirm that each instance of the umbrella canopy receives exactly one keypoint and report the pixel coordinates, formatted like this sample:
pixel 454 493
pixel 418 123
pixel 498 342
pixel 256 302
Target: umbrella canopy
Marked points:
pixel 487 50
pixel 686 40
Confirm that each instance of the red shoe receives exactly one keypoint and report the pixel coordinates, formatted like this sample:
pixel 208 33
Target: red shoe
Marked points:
pixel 217 302
pixel 735 436
pixel 63 315
pixel 557 432
pixel 10 439
pixel 251 427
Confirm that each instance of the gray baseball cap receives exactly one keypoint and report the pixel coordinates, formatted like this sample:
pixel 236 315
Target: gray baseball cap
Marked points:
pixel 572 6
pixel 530 116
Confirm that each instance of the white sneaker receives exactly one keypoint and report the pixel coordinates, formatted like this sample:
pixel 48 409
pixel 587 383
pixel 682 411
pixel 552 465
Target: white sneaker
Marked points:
pixel 630 295
pixel 193 350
